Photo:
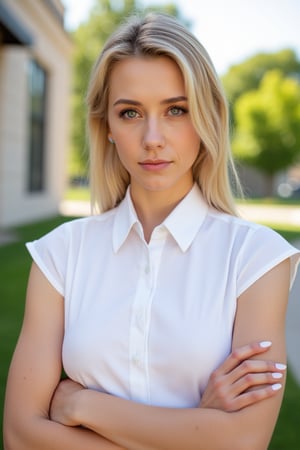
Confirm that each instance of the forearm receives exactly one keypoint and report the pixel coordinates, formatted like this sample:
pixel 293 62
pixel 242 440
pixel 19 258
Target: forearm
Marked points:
pixel 41 433
pixel 231 415
pixel 143 427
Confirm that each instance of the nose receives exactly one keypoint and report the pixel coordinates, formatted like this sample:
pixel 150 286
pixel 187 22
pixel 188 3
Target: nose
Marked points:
pixel 153 135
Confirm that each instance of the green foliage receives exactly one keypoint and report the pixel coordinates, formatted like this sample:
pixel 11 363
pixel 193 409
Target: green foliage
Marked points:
pixel 267 132
pixel 89 39
pixel 247 75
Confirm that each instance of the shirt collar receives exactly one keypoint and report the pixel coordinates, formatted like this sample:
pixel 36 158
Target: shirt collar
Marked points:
pixel 186 219
pixel 125 218
pixel 183 223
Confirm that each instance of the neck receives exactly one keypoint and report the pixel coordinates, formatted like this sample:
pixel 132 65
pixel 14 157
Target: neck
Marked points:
pixel 152 208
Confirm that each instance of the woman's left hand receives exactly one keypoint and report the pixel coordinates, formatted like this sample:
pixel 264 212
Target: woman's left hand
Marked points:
pixel 63 402
pixel 241 381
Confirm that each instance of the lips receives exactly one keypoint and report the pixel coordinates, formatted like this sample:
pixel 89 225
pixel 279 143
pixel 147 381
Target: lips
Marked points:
pixel 155 164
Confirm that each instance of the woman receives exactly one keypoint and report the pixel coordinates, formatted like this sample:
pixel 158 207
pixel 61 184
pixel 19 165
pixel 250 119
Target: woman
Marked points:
pixel 166 311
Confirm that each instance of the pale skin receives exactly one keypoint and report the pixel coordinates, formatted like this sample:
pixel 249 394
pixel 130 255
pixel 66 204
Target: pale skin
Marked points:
pixel 239 407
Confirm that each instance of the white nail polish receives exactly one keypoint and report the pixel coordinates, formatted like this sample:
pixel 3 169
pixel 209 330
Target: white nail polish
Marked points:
pixel 280 366
pixel 276 386
pixel 277 375
pixel 265 344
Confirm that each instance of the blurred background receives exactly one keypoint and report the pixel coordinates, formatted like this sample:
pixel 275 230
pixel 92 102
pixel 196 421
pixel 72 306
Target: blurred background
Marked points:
pixel 47 49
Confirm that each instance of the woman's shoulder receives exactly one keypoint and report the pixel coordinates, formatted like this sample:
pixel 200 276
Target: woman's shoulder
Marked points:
pixel 260 248
pixel 57 252
pixel 249 236
pixel 80 225
pixel 237 223
pixel 73 233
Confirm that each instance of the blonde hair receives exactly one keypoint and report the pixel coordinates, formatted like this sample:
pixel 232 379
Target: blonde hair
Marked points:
pixel 161 35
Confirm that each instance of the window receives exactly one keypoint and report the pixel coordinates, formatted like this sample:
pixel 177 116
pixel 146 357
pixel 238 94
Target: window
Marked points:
pixel 37 110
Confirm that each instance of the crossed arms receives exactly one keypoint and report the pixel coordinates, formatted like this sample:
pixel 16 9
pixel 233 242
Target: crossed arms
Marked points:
pixel 238 410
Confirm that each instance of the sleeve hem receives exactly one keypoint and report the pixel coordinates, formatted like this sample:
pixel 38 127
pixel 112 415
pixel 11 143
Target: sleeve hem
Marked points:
pixel 36 258
pixel 295 259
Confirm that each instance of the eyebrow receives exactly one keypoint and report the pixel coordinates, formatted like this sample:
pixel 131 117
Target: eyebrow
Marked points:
pixel 180 98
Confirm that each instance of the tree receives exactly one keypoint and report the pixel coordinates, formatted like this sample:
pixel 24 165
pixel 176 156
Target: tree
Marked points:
pixel 267 131
pixel 89 38
pixel 247 75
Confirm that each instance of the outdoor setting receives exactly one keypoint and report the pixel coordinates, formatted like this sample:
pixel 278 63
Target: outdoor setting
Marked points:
pixel 47 51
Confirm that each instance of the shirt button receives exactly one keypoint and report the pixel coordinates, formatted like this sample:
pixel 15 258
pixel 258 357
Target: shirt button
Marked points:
pixel 137 360
pixel 147 270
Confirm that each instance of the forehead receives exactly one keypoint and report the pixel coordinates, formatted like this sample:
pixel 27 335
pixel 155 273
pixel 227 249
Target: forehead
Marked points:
pixel 157 75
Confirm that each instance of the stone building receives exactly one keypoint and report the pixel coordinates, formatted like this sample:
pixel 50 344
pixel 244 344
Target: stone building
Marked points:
pixel 35 72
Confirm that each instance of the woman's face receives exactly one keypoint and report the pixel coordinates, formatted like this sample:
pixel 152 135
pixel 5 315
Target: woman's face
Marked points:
pixel 149 121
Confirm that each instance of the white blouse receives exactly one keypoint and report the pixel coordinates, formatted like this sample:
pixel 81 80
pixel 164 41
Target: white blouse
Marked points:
pixel 150 322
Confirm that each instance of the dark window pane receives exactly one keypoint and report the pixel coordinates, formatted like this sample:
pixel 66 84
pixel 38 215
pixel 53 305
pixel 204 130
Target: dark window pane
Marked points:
pixel 37 108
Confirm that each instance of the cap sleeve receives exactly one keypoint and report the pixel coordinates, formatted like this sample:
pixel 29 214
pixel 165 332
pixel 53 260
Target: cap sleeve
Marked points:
pixel 50 253
pixel 262 250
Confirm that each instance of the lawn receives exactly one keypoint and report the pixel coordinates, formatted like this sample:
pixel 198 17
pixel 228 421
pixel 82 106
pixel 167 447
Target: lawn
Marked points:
pixel 14 267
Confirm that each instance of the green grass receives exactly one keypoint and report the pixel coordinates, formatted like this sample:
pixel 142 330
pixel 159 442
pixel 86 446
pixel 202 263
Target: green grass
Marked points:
pixel 287 431
pixel 14 267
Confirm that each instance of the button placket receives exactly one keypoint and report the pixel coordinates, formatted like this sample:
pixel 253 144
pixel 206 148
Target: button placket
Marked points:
pixel 140 320
pixel 139 333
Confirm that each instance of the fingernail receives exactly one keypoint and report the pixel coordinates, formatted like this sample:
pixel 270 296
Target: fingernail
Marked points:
pixel 277 375
pixel 265 344
pixel 276 386
pixel 280 366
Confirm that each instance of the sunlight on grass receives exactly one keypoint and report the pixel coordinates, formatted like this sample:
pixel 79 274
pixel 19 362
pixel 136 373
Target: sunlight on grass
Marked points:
pixel 77 193
pixel 269 201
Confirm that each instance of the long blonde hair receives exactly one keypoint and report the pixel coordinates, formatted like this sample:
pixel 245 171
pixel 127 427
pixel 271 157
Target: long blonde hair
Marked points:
pixel 155 35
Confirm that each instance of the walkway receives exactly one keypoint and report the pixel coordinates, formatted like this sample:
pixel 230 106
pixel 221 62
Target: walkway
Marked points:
pixel 271 213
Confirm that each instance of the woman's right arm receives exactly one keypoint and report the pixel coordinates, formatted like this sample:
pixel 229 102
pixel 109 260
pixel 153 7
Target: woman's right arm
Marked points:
pixel 34 374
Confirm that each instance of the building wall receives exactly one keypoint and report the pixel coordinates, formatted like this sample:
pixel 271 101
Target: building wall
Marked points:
pixel 13 131
pixel 52 49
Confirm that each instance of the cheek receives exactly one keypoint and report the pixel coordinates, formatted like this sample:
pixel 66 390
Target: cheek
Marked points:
pixel 193 154
pixel 194 145
pixel 124 154
pixel 190 134
pixel 193 158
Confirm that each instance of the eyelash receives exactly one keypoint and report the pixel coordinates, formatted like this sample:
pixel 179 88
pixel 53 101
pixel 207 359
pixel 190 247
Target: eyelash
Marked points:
pixel 123 113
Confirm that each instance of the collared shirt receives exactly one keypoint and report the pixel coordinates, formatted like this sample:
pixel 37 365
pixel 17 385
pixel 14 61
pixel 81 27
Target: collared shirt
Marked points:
pixel 151 321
